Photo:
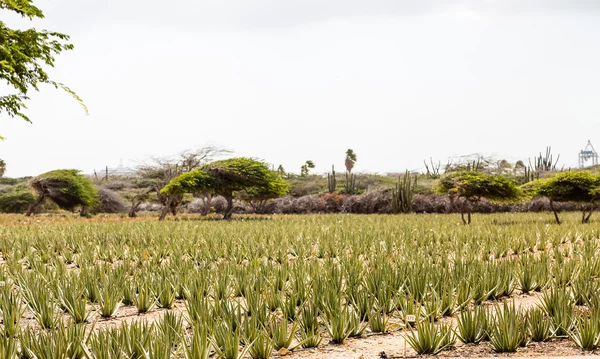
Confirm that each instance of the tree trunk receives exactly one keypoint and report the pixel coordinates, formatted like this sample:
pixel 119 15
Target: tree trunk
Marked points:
pixel 132 211
pixel 554 211
pixel 165 210
pixel 586 219
pixel 35 204
pixel 207 204
pixel 229 210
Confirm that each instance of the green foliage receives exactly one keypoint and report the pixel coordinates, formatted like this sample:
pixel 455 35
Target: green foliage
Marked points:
pixel 190 182
pixel 474 185
pixel 306 167
pixel 227 177
pixel 579 186
pixel 275 186
pixel 17 200
pixel 24 54
pixel 69 189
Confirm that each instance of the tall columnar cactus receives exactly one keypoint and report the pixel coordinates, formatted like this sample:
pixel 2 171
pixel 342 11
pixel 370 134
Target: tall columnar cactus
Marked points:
pixel 350 185
pixel 402 195
pixel 545 163
pixel 331 181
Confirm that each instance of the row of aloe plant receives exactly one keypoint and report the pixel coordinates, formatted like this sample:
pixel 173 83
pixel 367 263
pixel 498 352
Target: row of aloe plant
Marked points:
pixel 294 281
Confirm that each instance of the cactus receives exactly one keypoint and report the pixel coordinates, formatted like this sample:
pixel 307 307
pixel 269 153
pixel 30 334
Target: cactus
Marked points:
pixel 402 195
pixel 541 164
pixel 350 185
pixel 331 181
pixel 545 163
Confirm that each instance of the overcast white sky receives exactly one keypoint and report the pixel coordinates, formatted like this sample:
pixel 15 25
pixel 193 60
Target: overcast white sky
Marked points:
pixel 291 80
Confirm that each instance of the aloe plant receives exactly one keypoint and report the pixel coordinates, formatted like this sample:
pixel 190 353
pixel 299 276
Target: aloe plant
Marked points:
pixel 586 333
pixel 508 329
pixel 428 338
pixel 472 326
pixel 197 345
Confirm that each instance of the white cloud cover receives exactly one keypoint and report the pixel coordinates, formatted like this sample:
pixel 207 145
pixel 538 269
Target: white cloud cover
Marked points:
pixel 287 81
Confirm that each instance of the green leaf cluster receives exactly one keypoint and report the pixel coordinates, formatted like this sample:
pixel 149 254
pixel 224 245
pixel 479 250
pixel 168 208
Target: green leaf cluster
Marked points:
pixel 16 200
pixel 24 56
pixel 228 176
pixel 67 188
pixel 581 186
pixel 475 185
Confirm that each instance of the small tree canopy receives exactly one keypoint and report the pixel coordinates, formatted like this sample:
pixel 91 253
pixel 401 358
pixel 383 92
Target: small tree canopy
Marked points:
pixel 258 196
pixel 69 189
pixel 472 186
pixel 475 185
pixel 226 177
pixel 190 182
pixel 579 187
pixel 569 187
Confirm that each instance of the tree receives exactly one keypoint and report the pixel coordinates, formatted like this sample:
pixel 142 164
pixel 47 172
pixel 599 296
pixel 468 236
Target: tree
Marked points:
pixel 226 178
pixel 579 187
pixel 465 188
pixel 69 189
pixel 160 171
pixel 24 54
pixel 2 168
pixel 136 197
pixel 306 167
pixel 258 197
pixel 281 170
pixel 350 160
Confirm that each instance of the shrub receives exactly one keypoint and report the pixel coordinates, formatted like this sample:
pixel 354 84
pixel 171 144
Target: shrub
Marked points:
pixel 17 200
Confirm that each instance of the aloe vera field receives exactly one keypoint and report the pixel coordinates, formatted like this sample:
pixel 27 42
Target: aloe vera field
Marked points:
pixel 305 286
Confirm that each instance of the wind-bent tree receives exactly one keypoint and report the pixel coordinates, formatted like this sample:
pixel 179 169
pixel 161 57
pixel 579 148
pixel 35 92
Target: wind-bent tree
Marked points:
pixel 69 189
pixel 160 171
pixel 466 188
pixel 226 178
pixel 579 187
pixel 24 57
pixel 350 160
pixel 306 167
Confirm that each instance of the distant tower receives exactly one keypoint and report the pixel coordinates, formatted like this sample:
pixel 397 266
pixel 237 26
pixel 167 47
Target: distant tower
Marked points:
pixel 588 153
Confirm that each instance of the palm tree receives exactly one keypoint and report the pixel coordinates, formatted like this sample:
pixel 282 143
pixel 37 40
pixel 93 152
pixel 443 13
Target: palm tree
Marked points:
pixel 350 160
pixel 306 167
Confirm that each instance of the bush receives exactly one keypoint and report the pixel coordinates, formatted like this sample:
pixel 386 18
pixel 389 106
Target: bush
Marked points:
pixel 17 200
